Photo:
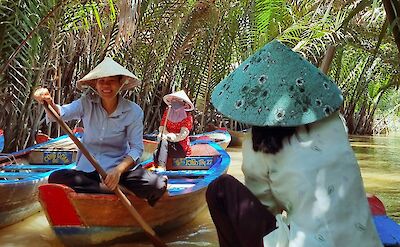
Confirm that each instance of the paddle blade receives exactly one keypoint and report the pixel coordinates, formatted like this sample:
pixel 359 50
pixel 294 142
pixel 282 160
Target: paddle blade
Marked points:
pixel 155 240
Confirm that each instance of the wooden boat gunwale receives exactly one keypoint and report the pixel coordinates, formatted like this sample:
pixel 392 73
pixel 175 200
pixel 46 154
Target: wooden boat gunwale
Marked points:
pixel 223 142
pixel 36 176
pixel 237 137
pixel 209 175
pixel 13 158
pixel 19 180
pixel 150 144
pixel 6 156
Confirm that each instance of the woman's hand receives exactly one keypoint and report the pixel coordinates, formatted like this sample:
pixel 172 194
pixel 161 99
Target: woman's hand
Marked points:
pixel 177 137
pixel 112 178
pixel 162 133
pixel 161 137
pixel 171 137
pixel 42 95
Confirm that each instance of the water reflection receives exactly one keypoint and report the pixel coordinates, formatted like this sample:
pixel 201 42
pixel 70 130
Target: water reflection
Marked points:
pixel 33 231
pixel 378 157
pixel 379 161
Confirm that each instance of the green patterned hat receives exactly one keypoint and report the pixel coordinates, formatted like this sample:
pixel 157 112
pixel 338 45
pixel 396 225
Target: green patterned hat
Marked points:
pixel 276 87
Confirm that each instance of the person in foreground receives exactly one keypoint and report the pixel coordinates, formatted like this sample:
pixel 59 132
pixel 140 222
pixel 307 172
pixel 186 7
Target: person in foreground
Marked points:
pixel 303 186
pixel 113 135
pixel 175 126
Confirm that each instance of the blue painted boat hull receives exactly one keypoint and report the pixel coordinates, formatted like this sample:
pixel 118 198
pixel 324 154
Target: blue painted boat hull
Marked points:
pixel 388 230
pixel 19 180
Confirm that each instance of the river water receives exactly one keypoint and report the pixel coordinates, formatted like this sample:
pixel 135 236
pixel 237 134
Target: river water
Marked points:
pixel 379 159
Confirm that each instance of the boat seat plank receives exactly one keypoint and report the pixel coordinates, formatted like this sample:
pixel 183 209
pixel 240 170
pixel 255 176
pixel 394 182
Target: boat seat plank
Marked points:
pixel 176 189
pixel 184 173
pixel 18 174
pixel 31 167
pixel 183 181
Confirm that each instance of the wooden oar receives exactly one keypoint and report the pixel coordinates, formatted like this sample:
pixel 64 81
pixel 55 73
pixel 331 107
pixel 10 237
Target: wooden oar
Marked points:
pixel 166 119
pixel 162 133
pixel 147 229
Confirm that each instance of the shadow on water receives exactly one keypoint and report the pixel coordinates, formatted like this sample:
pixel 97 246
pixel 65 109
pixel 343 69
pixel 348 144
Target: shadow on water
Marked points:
pixel 379 159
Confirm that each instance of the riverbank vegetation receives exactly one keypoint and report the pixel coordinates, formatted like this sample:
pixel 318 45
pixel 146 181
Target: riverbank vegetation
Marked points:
pixel 190 45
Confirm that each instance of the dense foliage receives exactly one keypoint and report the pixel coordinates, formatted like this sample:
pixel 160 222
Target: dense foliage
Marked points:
pixel 191 45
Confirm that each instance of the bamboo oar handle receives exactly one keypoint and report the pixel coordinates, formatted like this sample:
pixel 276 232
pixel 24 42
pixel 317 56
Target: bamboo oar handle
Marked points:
pixel 166 119
pixel 147 229
pixel 161 135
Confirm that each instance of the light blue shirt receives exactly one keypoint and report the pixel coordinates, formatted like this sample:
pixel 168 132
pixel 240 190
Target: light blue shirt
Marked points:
pixel 109 138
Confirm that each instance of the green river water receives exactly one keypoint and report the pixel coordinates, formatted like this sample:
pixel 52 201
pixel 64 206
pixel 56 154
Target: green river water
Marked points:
pixel 379 159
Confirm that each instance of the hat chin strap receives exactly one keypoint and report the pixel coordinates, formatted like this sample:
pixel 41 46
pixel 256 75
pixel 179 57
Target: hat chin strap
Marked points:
pixel 122 85
pixel 94 90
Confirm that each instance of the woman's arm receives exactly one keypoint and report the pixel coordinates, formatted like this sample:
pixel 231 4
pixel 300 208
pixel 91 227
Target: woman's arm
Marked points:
pixel 71 111
pixel 114 175
pixel 42 95
pixel 177 137
pixel 135 136
pixel 186 126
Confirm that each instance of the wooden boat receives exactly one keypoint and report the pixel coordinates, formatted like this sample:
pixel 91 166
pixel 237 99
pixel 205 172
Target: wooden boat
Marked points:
pixel 237 137
pixel 22 172
pixel 150 145
pixel 83 218
pixel 388 230
pixel 219 136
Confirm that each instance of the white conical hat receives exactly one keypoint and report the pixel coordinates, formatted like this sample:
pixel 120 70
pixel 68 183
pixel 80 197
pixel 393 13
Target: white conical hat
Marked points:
pixel 179 95
pixel 108 67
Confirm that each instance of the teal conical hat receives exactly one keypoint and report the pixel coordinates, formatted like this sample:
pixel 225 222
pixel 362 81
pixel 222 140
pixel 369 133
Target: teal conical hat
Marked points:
pixel 276 87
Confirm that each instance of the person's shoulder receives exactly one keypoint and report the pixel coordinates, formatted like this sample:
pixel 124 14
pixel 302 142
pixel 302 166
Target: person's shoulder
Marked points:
pixel 88 99
pixel 132 106
pixel 333 119
pixel 332 125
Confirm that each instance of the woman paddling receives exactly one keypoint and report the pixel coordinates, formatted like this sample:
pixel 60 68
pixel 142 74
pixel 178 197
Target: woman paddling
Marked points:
pixel 175 126
pixel 113 135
